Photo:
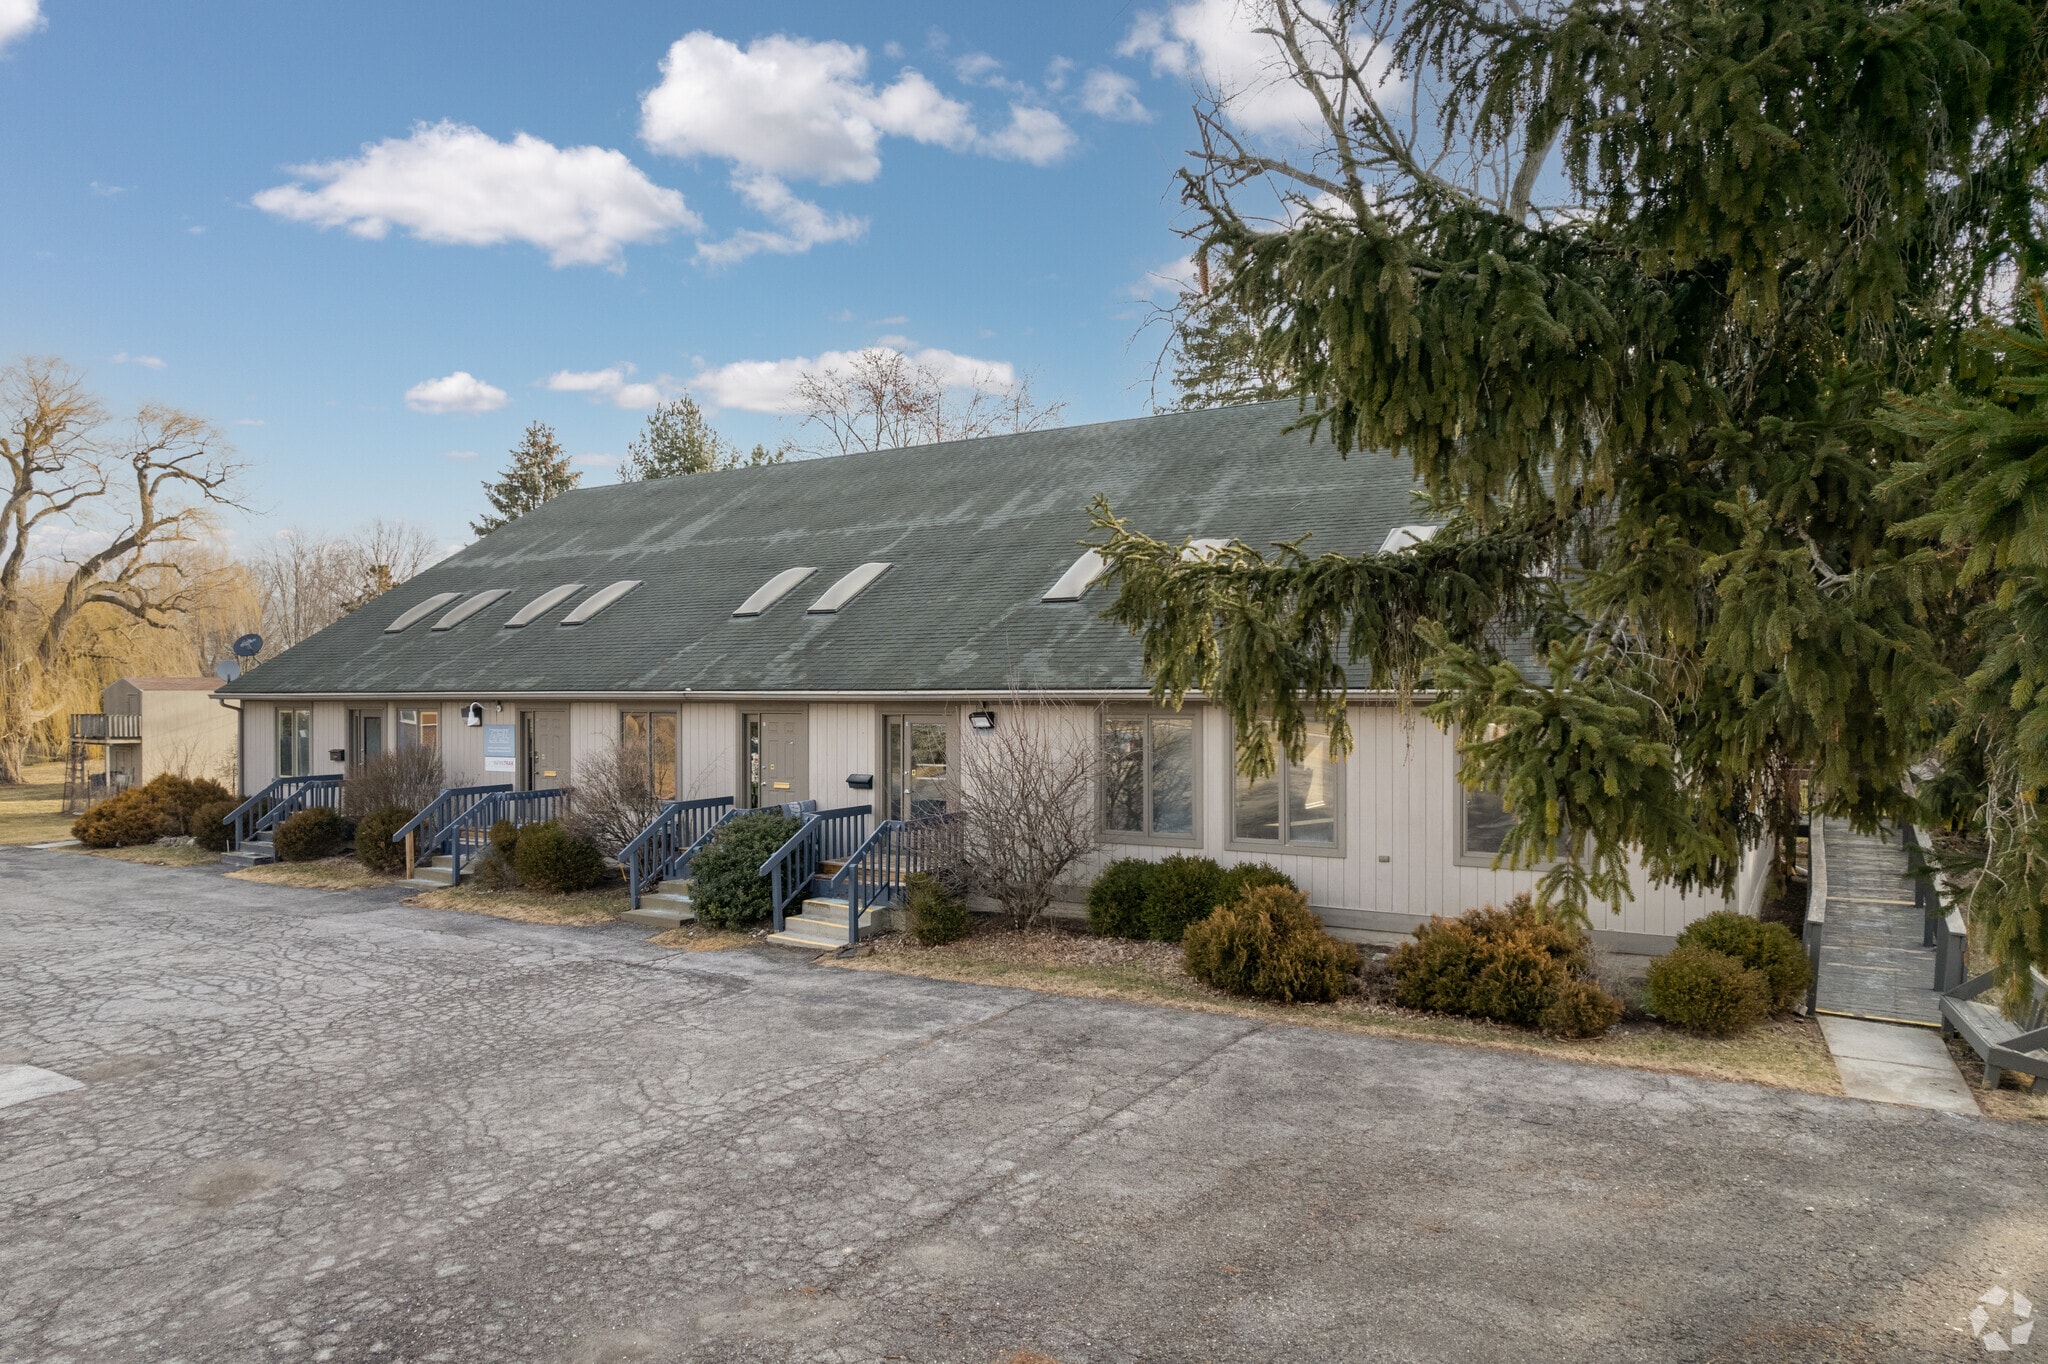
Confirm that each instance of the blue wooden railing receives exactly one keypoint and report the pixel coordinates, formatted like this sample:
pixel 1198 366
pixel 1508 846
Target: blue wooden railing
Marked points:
pixel 469 833
pixel 874 874
pixel 423 830
pixel 665 847
pixel 281 800
pixel 825 835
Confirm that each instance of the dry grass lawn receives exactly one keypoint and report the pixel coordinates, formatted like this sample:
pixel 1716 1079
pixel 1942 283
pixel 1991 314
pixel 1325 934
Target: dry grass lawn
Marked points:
pixel 327 873
pixel 33 812
pixel 1788 1053
pixel 529 907
pixel 2010 1100
pixel 696 938
pixel 156 855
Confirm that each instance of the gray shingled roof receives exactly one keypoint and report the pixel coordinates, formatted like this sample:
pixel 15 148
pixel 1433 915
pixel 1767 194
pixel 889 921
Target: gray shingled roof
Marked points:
pixel 977 532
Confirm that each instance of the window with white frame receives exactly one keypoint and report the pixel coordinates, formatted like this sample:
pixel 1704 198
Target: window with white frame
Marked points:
pixel 1148 776
pixel 1299 804
pixel 294 743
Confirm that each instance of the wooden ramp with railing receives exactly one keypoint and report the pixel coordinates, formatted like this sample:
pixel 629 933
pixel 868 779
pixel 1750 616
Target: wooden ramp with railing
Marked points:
pixel 1874 960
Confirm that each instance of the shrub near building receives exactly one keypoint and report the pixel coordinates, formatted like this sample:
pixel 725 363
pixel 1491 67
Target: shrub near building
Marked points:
pixel 374 848
pixel 311 835
pixel 166 807
pixel 1269 944
pixel 726 886
pixel 1512 965
pixel 551 859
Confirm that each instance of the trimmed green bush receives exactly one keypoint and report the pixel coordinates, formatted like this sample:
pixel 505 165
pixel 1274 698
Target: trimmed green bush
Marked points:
pixel 122 821
pixel 183 797
pixel 1705 991
pixel 504 837
pixel 1580 1009
pixel 1250 876
pixel 1513 965
pixel 554 861
pixel 374 848
pixel 311 835
pixel 1769 948
pixel 1183 891
pixel 209 825
pixel 1268 944
pixel 492 870
pixel 1116 902
pixel 726 886
pixel 936 914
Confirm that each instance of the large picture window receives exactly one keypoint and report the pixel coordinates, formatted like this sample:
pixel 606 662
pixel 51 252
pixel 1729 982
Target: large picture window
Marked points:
pixel 1297 805
pixel 1148 777
pixel 650 735
pixel 295 743
pixel 1486 823
pixel 418 729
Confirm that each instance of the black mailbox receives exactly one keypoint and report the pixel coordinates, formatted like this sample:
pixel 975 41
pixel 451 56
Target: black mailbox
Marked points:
pixel 861 781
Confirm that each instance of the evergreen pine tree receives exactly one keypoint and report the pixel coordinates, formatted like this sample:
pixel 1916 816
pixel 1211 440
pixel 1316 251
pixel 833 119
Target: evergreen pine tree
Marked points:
pixel 1629 297
pixel 538 472
pixel 676 440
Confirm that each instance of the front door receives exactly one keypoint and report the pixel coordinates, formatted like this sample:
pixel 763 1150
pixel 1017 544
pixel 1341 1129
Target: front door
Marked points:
pixel 778 760
pixel 914 754
pixel 365 736
pixel 544 756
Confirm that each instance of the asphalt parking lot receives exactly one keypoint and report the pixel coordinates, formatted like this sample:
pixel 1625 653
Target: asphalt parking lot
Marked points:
pixel 328 1126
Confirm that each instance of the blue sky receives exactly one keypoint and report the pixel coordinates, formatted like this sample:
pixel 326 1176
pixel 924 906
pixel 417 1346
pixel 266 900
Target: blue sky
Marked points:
pixel 706 192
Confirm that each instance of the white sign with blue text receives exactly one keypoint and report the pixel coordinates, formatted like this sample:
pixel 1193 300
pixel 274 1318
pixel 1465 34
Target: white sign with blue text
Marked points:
pixel 498 748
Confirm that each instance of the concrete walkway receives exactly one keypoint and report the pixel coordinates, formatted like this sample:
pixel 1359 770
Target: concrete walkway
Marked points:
pixel 1891 1064
pixel 1875 995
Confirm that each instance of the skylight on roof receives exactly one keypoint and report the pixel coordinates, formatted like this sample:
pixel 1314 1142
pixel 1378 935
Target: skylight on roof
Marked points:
pixel 414 615
pixel 599 600
pixel 541 605
pixel 1400 537
pixel 846 589
pixel 1080 575
pixel 469 608
pixel 1203 547
pixel 773 591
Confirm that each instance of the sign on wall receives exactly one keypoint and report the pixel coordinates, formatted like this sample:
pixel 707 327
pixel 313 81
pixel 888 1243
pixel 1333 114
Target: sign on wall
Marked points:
pixel 499 746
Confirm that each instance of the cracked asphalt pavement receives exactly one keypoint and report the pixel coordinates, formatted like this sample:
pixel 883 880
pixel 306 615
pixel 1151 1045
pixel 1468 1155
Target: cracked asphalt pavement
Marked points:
pixel 328 1126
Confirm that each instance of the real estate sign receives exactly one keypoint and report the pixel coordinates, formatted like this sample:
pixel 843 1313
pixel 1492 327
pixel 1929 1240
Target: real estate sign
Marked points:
pixel 498 748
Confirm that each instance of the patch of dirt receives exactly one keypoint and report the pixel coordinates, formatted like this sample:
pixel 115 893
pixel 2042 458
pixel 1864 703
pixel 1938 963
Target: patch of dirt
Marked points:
pixel 2012 1101
pixel 156 855
pixel 1786 1052
pixel 694 938
pixel 327 873
pixel 529 907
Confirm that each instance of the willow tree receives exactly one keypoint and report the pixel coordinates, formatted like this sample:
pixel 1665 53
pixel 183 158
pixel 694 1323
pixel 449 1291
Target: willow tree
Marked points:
pixel 1627 282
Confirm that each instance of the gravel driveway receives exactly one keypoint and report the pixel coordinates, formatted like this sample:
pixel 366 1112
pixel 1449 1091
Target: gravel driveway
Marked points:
pixel 326 1126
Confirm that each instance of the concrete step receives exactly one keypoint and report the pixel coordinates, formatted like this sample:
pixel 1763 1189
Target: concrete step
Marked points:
pixel 662 909
pixel 811 935
pixel 250 854
pixel 428 874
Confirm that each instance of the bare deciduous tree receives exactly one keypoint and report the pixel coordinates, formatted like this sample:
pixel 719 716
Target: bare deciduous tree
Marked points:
pixel 309 581
pixel 881 399
pixel 101 516
pixel 614 797
pixel 1027 789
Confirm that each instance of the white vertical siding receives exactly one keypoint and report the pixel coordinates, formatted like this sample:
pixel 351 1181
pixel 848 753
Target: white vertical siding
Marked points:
pixel 707 740
pixel 844 738
pixel 593 728
pixel 462 746
pixel 259 746
pixel 330 732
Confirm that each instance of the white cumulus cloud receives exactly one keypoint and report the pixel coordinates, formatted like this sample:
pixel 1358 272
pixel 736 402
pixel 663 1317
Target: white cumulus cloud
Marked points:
pixel 611 385
pixel 791 107
pixel 799 223
pixel 18 19
pixel 770 385
pixel 1033 134
pixel 1211 44
pixel 1114 96
pixel 451 183
pixel 457 392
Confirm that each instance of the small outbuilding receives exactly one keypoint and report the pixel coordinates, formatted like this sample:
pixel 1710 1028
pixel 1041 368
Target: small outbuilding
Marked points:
pixel 147 726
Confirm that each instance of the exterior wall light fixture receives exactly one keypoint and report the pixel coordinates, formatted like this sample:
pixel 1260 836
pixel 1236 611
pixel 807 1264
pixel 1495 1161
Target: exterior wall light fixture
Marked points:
pixel 983 720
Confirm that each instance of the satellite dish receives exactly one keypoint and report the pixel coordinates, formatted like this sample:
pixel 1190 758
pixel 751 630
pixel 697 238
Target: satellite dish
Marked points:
pixel 227 670
pixel 248 646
